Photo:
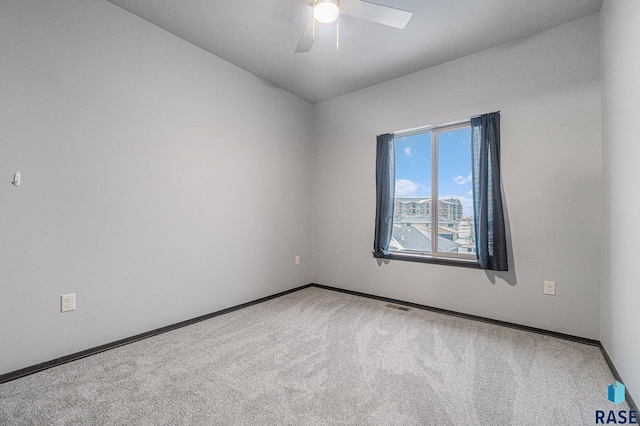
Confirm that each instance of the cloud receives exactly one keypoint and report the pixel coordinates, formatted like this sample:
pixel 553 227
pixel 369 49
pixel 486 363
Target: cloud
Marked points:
pixel 424 190
pixel 407 150
pixel 461 180
pixel 405 187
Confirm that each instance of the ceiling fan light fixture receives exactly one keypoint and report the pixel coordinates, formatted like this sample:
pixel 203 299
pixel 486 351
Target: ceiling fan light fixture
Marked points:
pixel 326 11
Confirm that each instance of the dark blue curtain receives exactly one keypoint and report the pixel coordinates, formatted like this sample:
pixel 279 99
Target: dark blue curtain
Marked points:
pixel 385 193
pixel 491 244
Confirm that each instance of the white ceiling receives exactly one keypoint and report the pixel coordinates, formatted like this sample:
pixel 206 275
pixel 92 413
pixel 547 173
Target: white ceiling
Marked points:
pixel 260 36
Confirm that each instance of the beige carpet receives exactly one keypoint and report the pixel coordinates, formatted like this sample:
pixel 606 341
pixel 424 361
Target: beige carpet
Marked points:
pixel 318 357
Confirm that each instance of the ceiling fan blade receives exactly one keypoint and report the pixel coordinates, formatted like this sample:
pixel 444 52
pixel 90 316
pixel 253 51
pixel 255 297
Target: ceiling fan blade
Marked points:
pixel 306 41
pixel 384 15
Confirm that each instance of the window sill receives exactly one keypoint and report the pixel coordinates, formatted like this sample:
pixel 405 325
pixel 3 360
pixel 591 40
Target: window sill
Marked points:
pixel 433 260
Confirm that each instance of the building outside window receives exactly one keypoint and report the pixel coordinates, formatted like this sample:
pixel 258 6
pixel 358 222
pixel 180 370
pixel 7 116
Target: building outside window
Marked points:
pixel 434 164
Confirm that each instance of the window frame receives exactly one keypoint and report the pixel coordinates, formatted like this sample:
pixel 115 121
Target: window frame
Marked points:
pixel 436 257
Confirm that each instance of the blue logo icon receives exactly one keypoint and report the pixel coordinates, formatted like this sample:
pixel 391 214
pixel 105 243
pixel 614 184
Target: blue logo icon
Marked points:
pixel 616 393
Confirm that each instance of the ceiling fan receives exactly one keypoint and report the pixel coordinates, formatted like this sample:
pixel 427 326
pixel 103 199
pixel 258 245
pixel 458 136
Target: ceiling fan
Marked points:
pixel 327 11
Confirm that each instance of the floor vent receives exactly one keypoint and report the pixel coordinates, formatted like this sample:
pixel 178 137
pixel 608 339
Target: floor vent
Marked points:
pixel 398 307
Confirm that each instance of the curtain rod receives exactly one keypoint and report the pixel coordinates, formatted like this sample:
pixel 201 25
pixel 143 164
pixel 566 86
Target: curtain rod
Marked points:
pixel 422 129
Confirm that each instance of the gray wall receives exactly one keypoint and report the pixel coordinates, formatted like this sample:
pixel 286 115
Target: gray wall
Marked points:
pixel 621 152
pixel 159 181
pixel 547 89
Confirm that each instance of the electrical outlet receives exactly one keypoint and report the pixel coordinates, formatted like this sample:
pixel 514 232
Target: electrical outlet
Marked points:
pixel 297 260
pixel 550 288
pixel 68 302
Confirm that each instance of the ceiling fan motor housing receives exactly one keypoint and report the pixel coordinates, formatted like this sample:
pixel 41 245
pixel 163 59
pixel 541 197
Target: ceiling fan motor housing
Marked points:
pixel 326 11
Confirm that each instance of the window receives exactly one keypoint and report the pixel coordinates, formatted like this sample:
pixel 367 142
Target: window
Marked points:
pixel 434 163
pixel 438 195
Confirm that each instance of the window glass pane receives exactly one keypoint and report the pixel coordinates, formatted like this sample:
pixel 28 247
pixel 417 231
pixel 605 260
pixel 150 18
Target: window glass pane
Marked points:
pixel 455 197
pixel 412 212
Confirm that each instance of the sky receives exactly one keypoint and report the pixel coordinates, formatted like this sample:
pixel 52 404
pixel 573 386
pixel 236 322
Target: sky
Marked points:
pixel 413 167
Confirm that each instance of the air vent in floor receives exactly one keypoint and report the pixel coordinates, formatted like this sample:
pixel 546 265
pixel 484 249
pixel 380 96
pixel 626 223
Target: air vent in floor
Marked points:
pixel 398 307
